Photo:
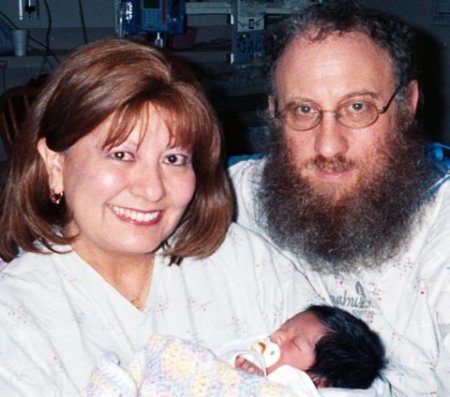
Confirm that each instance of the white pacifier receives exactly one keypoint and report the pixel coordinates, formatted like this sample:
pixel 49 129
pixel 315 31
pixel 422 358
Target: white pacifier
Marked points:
pixel 270 351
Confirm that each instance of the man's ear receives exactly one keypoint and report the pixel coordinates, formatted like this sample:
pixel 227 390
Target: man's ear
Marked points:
pixel 271 105
pixel 413 96
pixel 54 163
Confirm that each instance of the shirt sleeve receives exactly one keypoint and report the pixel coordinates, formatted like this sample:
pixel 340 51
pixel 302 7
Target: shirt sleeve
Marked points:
pixel 283 290
pixel 21 373
pixel 443 319
pixel 246 176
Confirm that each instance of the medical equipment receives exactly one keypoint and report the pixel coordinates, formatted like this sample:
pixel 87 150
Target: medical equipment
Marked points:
pixel 150 16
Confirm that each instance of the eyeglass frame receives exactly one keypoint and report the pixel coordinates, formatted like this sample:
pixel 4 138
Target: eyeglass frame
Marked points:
pixel 384 109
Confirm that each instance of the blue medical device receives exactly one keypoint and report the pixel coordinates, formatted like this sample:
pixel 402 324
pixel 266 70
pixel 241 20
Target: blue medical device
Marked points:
pixel 439 153
pixel 144 16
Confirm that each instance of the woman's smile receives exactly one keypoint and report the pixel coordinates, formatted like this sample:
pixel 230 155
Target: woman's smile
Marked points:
pixel 137 217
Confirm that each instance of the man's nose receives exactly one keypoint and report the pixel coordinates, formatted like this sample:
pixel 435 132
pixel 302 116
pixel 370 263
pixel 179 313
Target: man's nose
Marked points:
pixel 331 137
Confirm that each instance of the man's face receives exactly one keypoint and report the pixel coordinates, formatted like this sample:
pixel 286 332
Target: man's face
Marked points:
pixel 343 198
pixel 331 157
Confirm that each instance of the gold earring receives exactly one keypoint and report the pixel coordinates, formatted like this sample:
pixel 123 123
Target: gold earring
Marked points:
pixel 56 198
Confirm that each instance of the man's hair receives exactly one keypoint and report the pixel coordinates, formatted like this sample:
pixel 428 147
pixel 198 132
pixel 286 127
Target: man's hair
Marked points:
pixel 350 355
pixel 117 78
pixel 317 22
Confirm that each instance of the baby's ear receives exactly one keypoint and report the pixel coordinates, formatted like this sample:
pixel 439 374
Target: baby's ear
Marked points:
pixel 319 381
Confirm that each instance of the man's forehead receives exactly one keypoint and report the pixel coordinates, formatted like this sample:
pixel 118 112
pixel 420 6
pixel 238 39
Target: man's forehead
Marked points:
pixel 336 65
pixel 353 43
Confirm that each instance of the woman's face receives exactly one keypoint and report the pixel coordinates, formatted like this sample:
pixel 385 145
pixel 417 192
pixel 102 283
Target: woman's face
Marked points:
pixel 128 199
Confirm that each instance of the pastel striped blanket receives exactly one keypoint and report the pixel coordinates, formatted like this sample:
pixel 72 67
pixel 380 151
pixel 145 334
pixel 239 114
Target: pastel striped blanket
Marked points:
pixel 171 367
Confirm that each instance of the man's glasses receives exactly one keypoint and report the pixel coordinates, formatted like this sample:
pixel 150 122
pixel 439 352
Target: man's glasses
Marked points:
pixel 302 116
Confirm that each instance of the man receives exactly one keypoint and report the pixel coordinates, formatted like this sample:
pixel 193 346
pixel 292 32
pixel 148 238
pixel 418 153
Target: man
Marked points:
pixel 346 190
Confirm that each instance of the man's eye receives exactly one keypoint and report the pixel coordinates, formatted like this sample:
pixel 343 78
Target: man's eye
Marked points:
pixel 176 159
pixel 303 110
pixel 358 107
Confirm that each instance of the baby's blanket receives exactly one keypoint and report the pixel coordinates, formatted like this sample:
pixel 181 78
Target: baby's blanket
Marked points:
pixel 171 367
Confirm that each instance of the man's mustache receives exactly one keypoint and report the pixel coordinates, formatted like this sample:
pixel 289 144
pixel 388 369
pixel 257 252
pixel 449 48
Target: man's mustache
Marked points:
pixel 337 164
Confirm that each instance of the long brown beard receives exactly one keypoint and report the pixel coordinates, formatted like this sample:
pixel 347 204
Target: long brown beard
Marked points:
pixel 359 230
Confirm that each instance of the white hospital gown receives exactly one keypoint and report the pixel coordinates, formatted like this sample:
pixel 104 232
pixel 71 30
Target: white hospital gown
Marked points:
pixel 58 316
pixel 407 300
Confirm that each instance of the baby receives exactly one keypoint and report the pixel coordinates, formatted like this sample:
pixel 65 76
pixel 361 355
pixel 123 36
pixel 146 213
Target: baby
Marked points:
pixel 320 347
pixel 332 346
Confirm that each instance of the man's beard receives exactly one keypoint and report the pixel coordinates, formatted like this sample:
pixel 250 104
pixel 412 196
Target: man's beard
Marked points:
pixel 356 229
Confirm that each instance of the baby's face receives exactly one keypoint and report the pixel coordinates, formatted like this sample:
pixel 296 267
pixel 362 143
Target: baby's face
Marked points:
pixel 297 340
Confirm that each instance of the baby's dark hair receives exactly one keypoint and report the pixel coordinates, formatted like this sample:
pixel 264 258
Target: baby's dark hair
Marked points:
pixel 350 355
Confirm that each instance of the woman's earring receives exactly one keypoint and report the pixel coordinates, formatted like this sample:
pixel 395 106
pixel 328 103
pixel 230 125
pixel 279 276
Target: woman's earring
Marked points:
pixel 56 198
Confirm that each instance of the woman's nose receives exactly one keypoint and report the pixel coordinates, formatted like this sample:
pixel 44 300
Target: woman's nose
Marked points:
pixel 148 183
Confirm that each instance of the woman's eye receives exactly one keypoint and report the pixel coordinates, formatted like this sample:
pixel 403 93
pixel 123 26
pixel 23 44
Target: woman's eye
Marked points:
pixel 177 159
pixel 122 156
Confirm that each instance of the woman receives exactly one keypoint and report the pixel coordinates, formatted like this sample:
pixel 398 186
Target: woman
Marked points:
pixel 116 225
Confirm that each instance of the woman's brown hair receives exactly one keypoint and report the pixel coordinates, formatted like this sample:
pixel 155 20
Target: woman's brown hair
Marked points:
pixel 115 77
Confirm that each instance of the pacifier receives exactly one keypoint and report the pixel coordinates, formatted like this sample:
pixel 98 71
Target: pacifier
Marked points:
pixel 270 351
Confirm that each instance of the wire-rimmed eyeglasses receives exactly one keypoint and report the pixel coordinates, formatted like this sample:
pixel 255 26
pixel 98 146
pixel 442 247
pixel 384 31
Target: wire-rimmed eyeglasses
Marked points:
pixel 354 113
